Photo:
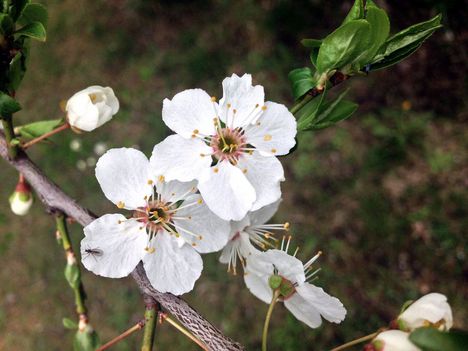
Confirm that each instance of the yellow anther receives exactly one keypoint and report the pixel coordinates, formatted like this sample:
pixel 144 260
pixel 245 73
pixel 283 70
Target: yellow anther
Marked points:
pixel 93 97
pixel 250 152
pixel 264 107
pixel 196 131
pixel 267 235
pixel 267 137
pixel 161 178
pixel 258 123
pixel 229 105
pixel 213 98
pixel 120 204
pixel 234 111
pixel 319 253
pixel 145 197
pixel 216 169
pixel 273 151
pixel 286 225
pixel 141 228
pixel 177 235
pixel 200 201
pixel 202 155
pixel 200 237
pixel 150 249
pixel 150 182
pixel 194 244
pixel 244 170
pixel 120 222
pixel 256 106
pixel 189 217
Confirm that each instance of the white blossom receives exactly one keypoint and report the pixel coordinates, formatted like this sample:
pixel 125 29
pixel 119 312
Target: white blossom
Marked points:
pixel 393 340
pixel 90 108
pixel 430 310
pixel 305 301
pixel 168 228
pixel 230 147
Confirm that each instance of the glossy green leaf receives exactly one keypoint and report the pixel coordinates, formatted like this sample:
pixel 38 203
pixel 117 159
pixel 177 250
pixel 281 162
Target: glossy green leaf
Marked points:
pixel 313 56
pixel 431 339
pixel 8 105
pixel 343 46
pixel 86 340
pixel 6 24
pixel 34 30
pixel 356 12
pixel 302 80
pixel 17 7
pixel 341 111
pixel 306 115
pixel 69 324
pixel 34 13
pixel 311 43
pixel 36 129
pixel 16 72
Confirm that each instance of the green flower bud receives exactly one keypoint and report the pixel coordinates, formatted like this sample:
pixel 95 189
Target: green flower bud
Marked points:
pixel 274 281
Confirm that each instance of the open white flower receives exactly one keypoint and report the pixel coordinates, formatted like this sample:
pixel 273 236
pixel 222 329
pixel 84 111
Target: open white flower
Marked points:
pixel 168 229
pixel 251 231
pixel 430 310
pixel 305 301
pixel 230 147
pixel 90 108
pixel 393 340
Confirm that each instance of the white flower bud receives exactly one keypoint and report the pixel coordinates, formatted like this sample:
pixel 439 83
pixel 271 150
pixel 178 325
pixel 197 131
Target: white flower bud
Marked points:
pixel 430 310
pixel 90 108
pixel 393 340
pixel 21 200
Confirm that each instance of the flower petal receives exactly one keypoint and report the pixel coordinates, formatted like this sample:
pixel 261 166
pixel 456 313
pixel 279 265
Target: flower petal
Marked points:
pixel 226 191
pixel 119 243
pixel 274 131
pixel 180 159
pixel 265 174
pixel 257 284
pixel 171 268
pixel 241 102
pixel 125 177
pixel 396 340
pixel 310 302
pixel 264 214
pixel 288 266
pixel 174 190
pixel 200 227
pixel 190 110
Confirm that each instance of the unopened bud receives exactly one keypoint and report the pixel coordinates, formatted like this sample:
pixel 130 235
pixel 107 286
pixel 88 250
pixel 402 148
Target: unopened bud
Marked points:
pixel 22 199
pixel 274 281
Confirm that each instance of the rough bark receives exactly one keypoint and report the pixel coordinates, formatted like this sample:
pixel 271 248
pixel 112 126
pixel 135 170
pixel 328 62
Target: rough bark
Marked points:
pixel 55 199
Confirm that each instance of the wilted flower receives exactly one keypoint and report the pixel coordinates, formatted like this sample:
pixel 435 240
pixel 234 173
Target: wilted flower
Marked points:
pixel 251 231
pixel 275 269
pixel 90 108
pixel 431 310
pixel 392 340
pixel 169 227
pixel 22 198
pixel 230 147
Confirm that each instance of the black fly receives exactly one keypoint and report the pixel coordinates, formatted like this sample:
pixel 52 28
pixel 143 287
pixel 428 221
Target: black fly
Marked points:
pixel 93 252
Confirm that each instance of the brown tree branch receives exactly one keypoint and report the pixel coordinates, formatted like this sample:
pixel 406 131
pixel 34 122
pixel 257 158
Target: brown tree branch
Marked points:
pixel 55 199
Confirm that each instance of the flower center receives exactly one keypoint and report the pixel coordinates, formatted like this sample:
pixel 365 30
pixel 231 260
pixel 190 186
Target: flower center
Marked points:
pixel 228 144
pixel 156 215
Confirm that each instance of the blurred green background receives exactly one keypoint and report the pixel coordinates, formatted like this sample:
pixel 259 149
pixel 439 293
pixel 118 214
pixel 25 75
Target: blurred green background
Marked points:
pixel 383 195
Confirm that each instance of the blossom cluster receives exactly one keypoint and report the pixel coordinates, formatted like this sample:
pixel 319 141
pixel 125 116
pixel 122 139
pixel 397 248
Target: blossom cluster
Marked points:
pixel 211 186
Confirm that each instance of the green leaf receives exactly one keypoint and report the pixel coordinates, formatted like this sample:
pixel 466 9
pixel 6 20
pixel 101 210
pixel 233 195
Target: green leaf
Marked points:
pixel 313 56
pixel 311 43
pixel 306 115
pixel 36 129
pixel 356 12
pixel 379 31
pixel 33 30
pixel 431 339
pixel 69 324
pixel 341 111
pixel 17 7
pixel 16 72
pixel 73 276
pixel 6 24
pixel 343 46
pixel 404 43
pixel 302 80
pixel 34 13
pixel 86 340
pixel 8 105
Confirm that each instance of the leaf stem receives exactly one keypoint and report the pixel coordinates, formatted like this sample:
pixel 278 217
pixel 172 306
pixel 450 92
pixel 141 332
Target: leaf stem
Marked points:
pixel 355 342
pixel 165 318
pixel 122 336
pixel 300 104
pixel 273 302
pixel 9 136
pixel 151 313
pixel 46 135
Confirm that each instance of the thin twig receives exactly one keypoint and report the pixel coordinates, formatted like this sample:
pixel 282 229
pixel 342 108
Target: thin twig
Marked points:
pixel 165 318
pixel 45 136
pixel 355 342
pixel 122 336
pixel 151 313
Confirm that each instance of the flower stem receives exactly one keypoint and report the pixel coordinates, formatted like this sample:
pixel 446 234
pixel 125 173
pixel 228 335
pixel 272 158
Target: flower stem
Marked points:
pixel 300 104
pixel 273 302
pixel 122 336
pixel 151 313
pixel 166 318
pixel 355 342
pixel 9 135
pixel 46 135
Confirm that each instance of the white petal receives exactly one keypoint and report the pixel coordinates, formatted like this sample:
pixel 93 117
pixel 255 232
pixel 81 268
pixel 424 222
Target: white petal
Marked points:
pixel 171 268
pixel 396 340
pixel 190 110
pixel 258 283
pixel 310 302
pixel 180 159
pixel 174 190
pixel 274 131
pixel 264 214
pixel 227 192
pixel 200 226
pixel 239 245
pixel 288 266
pixel 120 244
pixel 265 174
pixel 240 96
